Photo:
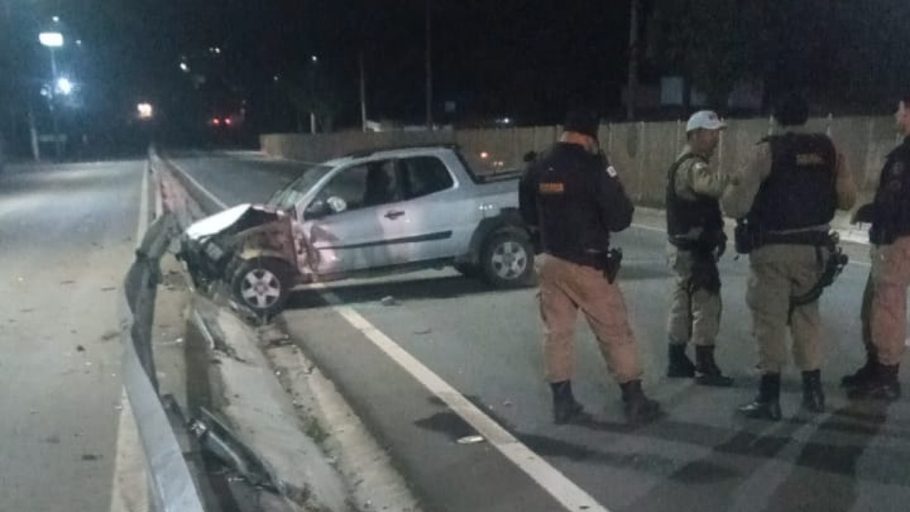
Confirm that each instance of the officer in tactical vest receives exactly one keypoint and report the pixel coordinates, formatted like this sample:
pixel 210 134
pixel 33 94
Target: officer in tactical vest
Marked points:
pixel 885 300
pixel 574 199
pixel 785 199
pixel 695 231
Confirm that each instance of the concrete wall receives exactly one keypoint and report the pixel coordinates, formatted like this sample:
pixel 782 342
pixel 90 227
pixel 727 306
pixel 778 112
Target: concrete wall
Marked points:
pixel 641 152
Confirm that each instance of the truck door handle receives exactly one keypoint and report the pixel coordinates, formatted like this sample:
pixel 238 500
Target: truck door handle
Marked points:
pixel 393 214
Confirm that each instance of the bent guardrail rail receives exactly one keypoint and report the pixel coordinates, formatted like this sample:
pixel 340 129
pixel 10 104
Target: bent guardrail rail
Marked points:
pixel 171 484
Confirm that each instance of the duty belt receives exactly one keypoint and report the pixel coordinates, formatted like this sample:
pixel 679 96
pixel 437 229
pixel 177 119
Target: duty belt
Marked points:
pixel 811 237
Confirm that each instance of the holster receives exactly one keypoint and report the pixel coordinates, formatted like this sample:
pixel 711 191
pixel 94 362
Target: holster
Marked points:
pixel 744 237
pixel 705 275
pixel 612 263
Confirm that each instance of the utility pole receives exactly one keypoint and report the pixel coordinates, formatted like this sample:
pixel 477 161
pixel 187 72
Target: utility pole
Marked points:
pixel 52 98
pixel 632 84
pixel 429 67
pixel 363 95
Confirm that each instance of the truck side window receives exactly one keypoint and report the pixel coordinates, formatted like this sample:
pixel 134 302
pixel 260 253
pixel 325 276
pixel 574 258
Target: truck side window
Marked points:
pixel 363 186
pixel 424 175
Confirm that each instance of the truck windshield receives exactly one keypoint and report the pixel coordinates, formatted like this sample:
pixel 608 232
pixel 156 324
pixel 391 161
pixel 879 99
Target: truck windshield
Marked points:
pixel 289 196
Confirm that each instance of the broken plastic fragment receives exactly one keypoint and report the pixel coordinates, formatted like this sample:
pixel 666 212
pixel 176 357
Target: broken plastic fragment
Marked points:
pixel 389 301
pixel 471 440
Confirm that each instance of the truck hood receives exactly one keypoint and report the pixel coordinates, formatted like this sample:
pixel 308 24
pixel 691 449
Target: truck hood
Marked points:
pixel 217 223
pixel 238 218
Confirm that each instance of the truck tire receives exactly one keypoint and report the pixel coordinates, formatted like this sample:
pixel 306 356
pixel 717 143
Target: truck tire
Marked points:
pixel 507 261
pixel 262 285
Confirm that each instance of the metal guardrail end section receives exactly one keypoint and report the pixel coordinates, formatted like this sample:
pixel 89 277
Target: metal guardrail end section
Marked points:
pixel 216 438
pixel 172 488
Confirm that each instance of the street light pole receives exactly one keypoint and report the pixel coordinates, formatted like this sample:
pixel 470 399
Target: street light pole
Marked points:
pixel 633 60
pixel 315 61
pixel 363 94
pixel 52 96
pixel 53 40
pixel 429 66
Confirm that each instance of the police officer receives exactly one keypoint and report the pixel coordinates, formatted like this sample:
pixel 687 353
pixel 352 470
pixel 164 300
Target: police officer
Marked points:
pixel 884 304
pixel 695 230
pixel 575 200
pixel 787 196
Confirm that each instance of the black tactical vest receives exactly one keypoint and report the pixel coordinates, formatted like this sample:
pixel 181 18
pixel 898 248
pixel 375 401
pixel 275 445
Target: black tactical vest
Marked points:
pixel 801 190
pixel 683 215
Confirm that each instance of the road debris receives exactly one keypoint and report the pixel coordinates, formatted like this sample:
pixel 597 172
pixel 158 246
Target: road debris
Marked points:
pixel 109 335
pixel 52 440
pixel 68 281
pixel 507 403
pixel 424 331
pixel 109 288
pixel 470 440
pixel 80 348
pixel 91 456
pixel 26 310
pixel 389 301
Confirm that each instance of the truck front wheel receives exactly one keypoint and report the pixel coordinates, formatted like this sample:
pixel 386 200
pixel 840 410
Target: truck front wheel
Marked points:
pixel 262 285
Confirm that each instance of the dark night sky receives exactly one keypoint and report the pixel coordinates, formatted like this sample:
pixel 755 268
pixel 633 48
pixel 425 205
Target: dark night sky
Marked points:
pixel 518 58
pixel 510 57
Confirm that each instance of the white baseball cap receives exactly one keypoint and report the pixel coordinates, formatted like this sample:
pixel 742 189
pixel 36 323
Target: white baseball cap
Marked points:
pixel 705 119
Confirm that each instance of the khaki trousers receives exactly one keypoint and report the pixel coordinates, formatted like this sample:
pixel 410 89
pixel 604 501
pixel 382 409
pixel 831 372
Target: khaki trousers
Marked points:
pixel 565 288
pixel 694 315
pixel 887 309
pixel 778 272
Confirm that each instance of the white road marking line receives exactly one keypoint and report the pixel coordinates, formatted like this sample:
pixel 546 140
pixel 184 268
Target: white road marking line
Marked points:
pixel 564 490
pixel 649 228
pixel 129 488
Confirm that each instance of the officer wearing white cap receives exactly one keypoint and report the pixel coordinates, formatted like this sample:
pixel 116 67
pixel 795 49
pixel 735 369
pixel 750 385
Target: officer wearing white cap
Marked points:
pixel 695 231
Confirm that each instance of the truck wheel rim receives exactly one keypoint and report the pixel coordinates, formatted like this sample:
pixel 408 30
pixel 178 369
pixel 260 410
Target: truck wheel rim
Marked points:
pixel 509 260
pixel 260 288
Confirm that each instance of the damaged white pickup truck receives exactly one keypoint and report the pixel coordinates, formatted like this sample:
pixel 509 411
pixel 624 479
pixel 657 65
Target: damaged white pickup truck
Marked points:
pixel 369 213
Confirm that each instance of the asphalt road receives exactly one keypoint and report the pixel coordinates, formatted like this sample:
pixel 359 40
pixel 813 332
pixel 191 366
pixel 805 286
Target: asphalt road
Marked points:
pixel 66 236
pixel 486 344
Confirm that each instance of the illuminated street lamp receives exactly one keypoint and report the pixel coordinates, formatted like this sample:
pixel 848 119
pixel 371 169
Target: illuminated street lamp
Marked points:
pixel 64 86
pixel 145 110
pixel 51 39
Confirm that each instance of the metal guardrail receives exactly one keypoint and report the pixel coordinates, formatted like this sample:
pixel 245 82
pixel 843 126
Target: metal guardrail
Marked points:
pixel 172 488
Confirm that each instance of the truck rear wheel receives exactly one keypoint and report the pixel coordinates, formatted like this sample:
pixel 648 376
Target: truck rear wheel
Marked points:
pixel 507 261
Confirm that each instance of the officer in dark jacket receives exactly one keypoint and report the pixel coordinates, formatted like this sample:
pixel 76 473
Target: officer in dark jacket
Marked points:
pixel 885 300
pixel 785 198
pixel 574 199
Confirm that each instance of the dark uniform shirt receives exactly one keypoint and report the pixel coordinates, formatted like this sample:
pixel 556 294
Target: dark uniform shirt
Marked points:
pixel 891 209
pixel 575 200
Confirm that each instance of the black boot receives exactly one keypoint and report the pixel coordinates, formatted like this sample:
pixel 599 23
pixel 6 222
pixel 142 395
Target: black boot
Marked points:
pixel 638 407
pixel 813 395
pixel 862 376
pixel 706 371
pixel 766 405
pixel 565 408
pixel 680 366
pixel 883 385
